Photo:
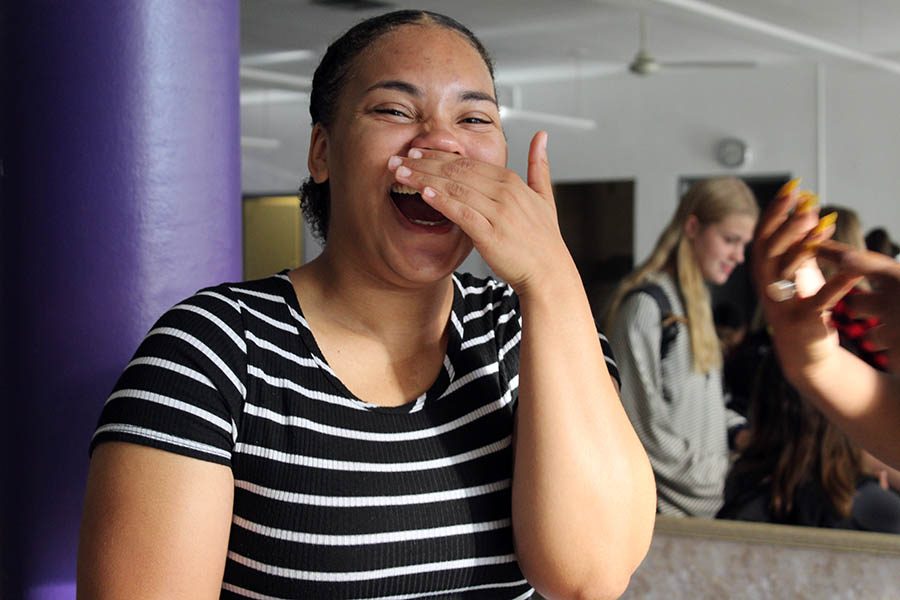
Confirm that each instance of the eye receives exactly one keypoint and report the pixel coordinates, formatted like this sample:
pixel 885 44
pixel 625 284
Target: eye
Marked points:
pixel 392 112
pixel 476 121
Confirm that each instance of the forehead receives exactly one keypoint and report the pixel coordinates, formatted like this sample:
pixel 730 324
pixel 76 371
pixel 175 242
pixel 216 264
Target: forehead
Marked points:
pixel 418 48
pixel 738 223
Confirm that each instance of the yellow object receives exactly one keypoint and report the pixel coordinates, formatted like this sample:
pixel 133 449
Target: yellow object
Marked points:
pixel 825 222
pixel 788 188
pixel 273 235
pixel 808 201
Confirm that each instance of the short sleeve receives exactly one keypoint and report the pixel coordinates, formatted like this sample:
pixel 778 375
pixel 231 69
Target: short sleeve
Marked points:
pixel 509 336
pixel 185 387
pixel 611 365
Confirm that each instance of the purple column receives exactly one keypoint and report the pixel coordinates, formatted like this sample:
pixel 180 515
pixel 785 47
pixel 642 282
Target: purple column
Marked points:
pixel 121 195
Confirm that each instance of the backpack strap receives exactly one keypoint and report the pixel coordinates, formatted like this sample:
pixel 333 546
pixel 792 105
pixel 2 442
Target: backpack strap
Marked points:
pixel 668 320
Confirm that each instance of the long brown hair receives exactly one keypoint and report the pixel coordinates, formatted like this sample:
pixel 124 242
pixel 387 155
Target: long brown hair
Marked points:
pixel 710 201
pixel 793 444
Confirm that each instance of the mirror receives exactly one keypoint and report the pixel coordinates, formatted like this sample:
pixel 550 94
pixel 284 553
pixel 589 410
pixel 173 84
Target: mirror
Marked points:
pixel 798 108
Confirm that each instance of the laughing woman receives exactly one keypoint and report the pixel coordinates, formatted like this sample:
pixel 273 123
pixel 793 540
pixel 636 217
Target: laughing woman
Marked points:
pixel 371 424
pixel 662 331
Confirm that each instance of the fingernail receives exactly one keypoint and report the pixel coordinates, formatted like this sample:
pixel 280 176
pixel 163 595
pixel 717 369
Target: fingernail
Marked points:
pixel 394 162
pixel 429 192
pixel 404 172
pixel 825 222
pixel 415 153
pixel 788 188
pixel 808 201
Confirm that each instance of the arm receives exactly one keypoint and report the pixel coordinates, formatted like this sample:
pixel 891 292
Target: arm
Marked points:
pixel 158 508
pixel 583 492
pixel 155 525
pixel 583 495
pixel 886 475
pixel 865 403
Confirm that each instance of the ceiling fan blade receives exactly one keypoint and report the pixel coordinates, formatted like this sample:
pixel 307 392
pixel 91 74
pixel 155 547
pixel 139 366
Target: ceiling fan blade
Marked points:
pixel 709 64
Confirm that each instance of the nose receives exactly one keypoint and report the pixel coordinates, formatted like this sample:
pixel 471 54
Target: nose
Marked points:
pixel 739 255
pixel 437 135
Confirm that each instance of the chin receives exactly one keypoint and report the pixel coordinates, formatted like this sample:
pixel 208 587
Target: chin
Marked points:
pixel 427 267
pixel 717 278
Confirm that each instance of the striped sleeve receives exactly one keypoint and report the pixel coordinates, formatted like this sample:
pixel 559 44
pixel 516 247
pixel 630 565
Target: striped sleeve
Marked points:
pixel 610 358
pixel 509 335
pixel 185 386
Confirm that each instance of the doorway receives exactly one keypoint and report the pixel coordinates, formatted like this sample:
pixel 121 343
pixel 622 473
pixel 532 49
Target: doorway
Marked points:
pixel 596 219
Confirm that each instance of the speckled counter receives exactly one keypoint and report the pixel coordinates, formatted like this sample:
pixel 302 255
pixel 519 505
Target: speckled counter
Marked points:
pixel 692 558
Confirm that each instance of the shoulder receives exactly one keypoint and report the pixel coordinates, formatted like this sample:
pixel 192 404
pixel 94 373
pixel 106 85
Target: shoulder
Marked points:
pixel 218 317
pixel 268 298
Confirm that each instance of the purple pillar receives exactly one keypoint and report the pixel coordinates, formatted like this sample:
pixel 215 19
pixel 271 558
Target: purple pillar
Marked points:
pixel 120 183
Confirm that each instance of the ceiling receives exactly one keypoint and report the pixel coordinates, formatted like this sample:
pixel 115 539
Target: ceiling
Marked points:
pixel 540 40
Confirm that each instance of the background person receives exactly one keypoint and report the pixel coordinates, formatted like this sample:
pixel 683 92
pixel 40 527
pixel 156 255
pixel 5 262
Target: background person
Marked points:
pixel 372 424
pixel 799 469
pixel 676 402
pixel 878 240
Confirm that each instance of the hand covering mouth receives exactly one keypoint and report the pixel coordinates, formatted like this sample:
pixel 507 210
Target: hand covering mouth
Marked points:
pixel 409 202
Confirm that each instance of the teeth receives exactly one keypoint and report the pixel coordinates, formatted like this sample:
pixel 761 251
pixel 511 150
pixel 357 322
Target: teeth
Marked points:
pixel 403 189
pixel 426 223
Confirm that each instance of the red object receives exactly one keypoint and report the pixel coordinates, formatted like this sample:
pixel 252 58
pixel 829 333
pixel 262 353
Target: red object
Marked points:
pixel 853 330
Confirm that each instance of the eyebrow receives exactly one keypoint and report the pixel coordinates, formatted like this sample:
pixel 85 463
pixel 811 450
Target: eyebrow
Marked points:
pixel 412 90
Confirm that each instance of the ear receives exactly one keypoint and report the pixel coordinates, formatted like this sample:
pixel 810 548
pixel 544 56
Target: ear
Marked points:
pixel 317 161
pixel 691 227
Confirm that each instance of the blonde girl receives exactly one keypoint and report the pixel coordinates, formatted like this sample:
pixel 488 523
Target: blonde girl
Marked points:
pixel 675 402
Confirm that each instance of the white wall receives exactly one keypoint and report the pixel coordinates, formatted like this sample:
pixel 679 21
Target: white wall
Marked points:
pixel 659 128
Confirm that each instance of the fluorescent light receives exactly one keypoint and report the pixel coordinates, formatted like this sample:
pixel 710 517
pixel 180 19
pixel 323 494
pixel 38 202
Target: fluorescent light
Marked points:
pixel 296 81
pixel 557 72
pixel 260 143
pixel 272 96
pixel 549 118
pixel 274 58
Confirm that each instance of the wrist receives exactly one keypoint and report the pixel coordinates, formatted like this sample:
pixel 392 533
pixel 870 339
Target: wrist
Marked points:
pixel 560 278
pixel 810 370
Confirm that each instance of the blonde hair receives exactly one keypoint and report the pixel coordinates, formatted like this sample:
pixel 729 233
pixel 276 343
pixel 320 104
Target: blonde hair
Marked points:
pixel 710 201
pixel 848 230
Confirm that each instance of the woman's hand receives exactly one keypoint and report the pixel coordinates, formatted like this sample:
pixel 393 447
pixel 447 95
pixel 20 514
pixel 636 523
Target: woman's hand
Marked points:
pixel 512 224
pixel 783 250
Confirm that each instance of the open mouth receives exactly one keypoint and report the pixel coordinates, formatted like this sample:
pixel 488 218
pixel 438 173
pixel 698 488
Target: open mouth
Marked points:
pixel 409 202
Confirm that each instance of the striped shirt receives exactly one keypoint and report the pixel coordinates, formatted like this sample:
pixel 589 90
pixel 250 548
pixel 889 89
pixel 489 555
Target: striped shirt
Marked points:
pixel 335 497
pixel 678 413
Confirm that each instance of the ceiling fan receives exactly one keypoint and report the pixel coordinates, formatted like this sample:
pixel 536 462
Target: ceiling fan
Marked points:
pixel 645 63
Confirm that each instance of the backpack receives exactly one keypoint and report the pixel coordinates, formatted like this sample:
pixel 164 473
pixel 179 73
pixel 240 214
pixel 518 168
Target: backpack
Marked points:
pixel 668 321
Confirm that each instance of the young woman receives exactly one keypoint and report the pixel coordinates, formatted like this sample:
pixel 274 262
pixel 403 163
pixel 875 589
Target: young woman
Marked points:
pixel 676 402
pixel 799 469
pixel 372 425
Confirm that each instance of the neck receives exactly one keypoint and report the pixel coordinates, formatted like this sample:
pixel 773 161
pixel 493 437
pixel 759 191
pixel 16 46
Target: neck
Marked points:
pixel 361 302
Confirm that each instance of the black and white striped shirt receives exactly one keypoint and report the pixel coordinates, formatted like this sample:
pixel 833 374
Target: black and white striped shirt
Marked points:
pixel 334 497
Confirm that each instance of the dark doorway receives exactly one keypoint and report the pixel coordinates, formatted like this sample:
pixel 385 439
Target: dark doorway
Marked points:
pixel 596 219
